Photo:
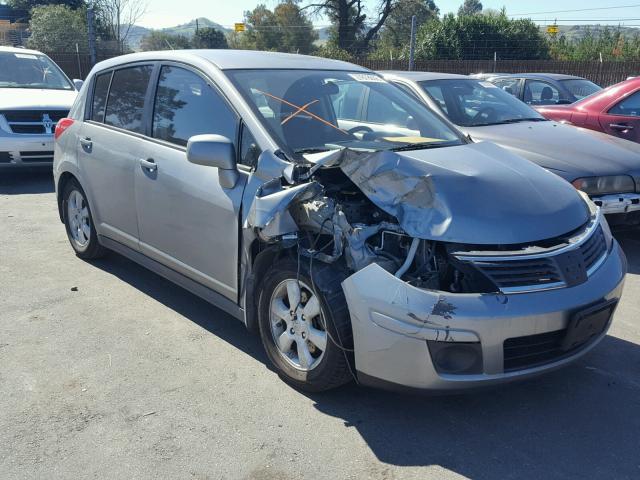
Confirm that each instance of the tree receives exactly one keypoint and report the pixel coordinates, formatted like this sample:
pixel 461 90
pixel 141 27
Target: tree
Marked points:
pixel 118 17
pixel 470 7
pixel 158 40
pixel 396 32
pixel 351 31
pixel 296 29
pixel 209 37
pixel 480 37
pixel 27 5
pixel 285 29
pixel 58 28
pixel 611 43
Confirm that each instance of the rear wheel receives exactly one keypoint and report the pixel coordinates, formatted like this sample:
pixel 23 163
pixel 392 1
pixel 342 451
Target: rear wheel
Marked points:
pixel 79 222
pixel 305 325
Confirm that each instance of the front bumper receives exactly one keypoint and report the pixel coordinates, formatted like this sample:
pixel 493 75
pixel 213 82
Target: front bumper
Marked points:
pixel 25 151
pixel 618 202
pixel 392 322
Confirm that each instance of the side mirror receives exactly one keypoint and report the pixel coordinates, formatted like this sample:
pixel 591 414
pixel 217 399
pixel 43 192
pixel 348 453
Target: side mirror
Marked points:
pixel 215 151
pixel 78 83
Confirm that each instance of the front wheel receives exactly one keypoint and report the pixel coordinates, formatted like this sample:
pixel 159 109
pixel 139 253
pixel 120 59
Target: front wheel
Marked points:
pixel 305 325
pixel 79 222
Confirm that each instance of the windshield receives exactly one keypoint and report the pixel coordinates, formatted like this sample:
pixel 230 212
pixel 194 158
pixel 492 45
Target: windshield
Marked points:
pixel 473 103
pixel 580 88
pixel 312 111
pixel 27 70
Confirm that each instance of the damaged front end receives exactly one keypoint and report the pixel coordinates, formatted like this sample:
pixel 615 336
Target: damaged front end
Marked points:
pixel 434 249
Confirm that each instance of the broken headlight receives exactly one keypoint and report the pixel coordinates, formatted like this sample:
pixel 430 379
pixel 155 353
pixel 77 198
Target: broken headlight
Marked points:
pixel 606 184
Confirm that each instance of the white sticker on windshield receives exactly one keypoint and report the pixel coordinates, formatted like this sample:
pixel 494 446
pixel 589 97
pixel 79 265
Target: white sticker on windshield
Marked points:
pixel 488 85
pixel 26 55
pixel 367 77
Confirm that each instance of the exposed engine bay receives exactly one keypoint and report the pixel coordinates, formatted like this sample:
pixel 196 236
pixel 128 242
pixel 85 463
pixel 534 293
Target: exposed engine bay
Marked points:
pixel 386 209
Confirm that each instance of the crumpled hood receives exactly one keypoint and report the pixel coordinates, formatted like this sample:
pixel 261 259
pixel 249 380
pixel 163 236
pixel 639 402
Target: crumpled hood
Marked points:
pixel 27 98
pixel 569 151
pixel 476 193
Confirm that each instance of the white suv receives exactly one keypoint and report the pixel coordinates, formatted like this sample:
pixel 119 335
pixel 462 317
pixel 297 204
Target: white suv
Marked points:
pixel 34 95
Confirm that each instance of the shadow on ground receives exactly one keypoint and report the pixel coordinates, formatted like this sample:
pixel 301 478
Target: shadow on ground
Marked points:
pixel 579 422
pixel 26 182
pixel 630 241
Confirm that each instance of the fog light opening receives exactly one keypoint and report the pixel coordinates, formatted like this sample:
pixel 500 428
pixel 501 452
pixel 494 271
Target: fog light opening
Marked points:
pixel 456 358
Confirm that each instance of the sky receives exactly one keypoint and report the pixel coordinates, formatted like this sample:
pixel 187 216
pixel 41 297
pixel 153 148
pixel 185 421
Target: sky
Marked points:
pixel 168 13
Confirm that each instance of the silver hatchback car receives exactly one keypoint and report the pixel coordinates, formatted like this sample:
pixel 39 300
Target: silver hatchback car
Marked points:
pixel 360 233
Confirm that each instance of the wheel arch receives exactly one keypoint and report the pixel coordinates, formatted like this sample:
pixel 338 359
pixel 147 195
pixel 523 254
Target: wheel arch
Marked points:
pixel 65 178
pixel 262 257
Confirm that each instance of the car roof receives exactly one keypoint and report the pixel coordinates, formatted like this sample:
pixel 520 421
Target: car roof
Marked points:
pixel 421 76
pixel 20 50
pixel 548 76
pixel 239 59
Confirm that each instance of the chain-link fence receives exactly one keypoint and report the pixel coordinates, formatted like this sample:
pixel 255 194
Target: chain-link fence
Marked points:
pixel 602 73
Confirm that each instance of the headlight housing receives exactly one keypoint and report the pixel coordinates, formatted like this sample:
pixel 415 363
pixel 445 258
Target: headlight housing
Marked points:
pixel 606 184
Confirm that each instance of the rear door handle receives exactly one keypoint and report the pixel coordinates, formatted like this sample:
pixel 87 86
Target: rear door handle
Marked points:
pixel 621 126
pixel 149 164
pixel 87 144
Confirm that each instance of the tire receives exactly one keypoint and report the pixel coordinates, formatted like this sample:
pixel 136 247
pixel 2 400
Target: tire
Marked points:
pixel 78 222
pixel 329 368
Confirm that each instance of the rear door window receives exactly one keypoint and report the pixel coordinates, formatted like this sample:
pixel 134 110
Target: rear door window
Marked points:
pixel 629 107
pixel 100 91
pixel 126 98
pixel 186 105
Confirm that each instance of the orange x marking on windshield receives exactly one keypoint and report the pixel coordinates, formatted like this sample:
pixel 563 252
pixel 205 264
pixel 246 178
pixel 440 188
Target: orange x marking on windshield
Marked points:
pixel 298 111
pixel 320 119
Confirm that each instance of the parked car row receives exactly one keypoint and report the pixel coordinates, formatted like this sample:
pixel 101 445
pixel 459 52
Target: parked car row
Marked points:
pixel 396 228
pixel 364 230
pixel 605 168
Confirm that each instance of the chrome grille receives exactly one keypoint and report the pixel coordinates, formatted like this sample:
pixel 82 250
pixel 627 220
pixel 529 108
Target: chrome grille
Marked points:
pixel 38 122
pixel 593 249
pixel 36 156
pixel 566 266
pixel 516 273
pixel 5 157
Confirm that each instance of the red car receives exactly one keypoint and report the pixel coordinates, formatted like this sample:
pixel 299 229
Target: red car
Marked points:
pixel 614 110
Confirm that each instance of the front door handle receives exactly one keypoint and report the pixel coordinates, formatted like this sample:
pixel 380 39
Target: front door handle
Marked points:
pixel 621 126
pixel 149 164
pixel 87 144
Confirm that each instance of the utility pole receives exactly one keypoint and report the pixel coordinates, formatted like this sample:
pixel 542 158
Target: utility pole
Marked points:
pixel 412 45
pixel 78 59
pixel 91 31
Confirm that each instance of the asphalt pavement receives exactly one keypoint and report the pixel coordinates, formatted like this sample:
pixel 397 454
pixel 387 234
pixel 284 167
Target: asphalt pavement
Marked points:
pixel 109 371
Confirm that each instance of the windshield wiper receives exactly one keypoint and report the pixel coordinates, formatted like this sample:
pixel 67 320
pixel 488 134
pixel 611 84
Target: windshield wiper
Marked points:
pixel 518 120
pixel 420 146
pixel 303 151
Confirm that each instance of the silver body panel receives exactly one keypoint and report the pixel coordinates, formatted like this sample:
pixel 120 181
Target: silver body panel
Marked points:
pixel 178 221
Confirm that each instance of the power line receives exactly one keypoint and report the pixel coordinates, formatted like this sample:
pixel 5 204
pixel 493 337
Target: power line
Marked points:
pixel 576 10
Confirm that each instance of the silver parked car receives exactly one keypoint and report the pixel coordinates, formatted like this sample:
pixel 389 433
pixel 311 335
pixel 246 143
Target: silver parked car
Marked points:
pixel 34 95
pixel 386 248
pixel 605 167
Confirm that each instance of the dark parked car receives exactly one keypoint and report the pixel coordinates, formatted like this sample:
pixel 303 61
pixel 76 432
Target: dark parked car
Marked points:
pixel 615 110
pixel 545 88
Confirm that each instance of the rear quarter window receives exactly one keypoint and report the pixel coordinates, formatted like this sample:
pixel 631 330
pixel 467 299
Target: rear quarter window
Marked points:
pixel 100 91
pixel 125 104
